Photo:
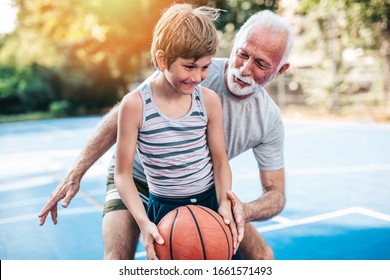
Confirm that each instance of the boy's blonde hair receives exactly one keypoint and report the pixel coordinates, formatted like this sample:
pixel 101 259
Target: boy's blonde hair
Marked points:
pixel 186 32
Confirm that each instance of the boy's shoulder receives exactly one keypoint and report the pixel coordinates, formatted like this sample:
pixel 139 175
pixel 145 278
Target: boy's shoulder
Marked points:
pixel 132 99
pixel 209 95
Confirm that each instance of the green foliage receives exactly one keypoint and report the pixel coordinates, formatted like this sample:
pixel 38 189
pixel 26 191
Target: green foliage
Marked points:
pixel 83 51
pixel 60 108
pixel 362 26
pixel 238 11
pixel 26 117
pixel 86 52
pixel 363 21
pixel 30 89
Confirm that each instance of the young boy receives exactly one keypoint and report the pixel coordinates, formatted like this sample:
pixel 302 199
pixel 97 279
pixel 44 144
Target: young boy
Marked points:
pixel 175 125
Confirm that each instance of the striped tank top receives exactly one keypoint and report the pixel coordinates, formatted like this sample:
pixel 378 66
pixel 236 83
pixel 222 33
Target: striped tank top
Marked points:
pixel 174 152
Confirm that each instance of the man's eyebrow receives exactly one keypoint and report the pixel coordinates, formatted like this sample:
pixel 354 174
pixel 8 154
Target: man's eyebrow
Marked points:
pixel 263 62
pixel 260 60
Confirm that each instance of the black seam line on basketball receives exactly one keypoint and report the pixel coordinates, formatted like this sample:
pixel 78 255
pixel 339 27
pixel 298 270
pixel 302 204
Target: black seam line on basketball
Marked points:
pixel 227 238
pixel 171 234
pixel 199 233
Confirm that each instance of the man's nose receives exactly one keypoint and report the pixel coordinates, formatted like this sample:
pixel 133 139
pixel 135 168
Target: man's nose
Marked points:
pixel 245 69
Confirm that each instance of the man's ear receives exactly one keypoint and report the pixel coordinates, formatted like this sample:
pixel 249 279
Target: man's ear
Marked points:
pixel 283 69
pixel 161 60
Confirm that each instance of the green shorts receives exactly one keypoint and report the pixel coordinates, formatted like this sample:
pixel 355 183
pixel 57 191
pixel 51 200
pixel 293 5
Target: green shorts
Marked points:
pixel 113 201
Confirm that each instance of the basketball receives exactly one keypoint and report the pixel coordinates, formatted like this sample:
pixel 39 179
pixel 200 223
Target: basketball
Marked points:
pixel 194 232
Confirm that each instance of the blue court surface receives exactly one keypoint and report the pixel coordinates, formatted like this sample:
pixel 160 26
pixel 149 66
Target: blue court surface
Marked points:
pixel 337 184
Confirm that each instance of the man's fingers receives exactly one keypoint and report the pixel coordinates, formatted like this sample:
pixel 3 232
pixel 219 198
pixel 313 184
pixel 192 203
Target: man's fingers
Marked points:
pixel 231 196
pixel 54 214
pixel 42 219
pixel 69 196
pixel 233 229
pixel 240 229
pixel 50 207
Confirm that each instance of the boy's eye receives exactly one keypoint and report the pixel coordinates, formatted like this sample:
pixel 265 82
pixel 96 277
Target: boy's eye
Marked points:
pixel 205 67
pixel 189 66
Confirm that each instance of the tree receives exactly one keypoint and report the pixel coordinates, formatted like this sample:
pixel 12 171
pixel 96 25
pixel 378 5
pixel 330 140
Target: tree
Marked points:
pixel 367 25
pixel 92 49
pixel 95 47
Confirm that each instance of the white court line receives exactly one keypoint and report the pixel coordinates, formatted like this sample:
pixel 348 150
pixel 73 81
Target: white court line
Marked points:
pixel 327 216
pixel 339 169
pixel 69 133
pixel 321 170
pixel 286 223
pixel 373 214
pixel 282 220
pixel 42 200
pixel 22 203
pixel 141 254
pixel 68 212
pixel 26 184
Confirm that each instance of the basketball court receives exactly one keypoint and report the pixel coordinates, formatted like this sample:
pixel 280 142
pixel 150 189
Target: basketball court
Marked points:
pixel 337 184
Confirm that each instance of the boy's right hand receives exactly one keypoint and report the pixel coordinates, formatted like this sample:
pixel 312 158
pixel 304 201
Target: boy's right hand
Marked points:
pixel 150 235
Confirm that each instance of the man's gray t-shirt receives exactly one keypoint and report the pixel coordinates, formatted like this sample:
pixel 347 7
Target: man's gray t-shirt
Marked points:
pixel 252 123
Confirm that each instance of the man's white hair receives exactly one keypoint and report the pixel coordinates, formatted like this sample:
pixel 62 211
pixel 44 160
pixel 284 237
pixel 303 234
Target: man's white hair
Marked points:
pixel 270 20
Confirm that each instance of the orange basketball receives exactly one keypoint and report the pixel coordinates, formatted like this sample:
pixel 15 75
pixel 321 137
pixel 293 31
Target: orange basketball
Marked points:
pixel 194 232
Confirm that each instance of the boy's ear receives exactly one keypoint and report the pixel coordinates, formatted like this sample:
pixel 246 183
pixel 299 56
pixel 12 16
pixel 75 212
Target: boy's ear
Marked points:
pixel 161 60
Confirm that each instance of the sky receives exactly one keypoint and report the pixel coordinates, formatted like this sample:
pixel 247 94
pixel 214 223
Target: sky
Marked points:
pixel 7 16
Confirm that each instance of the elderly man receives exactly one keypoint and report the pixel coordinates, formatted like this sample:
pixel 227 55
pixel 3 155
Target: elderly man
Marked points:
pixel 251 120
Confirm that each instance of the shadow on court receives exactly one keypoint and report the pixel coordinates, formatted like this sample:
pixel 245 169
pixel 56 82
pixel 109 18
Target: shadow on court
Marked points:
pixel 337 185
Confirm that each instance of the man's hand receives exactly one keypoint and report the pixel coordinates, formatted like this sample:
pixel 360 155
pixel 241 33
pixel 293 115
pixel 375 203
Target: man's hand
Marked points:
pixel 66 190
pixel 238 210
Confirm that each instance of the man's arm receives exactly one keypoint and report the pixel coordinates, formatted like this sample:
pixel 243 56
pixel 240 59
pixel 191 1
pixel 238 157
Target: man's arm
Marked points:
pixel 99 143
pixel 270 204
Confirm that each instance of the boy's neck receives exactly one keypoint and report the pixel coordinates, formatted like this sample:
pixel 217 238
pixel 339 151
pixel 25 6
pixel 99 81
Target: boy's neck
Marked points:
pixel 162 88
pixel 171 103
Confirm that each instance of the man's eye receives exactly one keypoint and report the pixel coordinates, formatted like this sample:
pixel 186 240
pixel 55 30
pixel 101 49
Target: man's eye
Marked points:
pixel 261 66
pixel 242 55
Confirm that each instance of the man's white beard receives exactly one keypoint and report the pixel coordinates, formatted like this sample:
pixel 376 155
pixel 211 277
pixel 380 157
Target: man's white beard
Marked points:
pixel 235 88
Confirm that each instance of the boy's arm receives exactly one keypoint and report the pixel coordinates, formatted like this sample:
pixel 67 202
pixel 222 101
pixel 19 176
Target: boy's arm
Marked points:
pixel 221 167
pixel 99 143
pixel 129 122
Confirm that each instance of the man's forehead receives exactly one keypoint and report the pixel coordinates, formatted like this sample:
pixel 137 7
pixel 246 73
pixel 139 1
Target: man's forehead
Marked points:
pixel 263 35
